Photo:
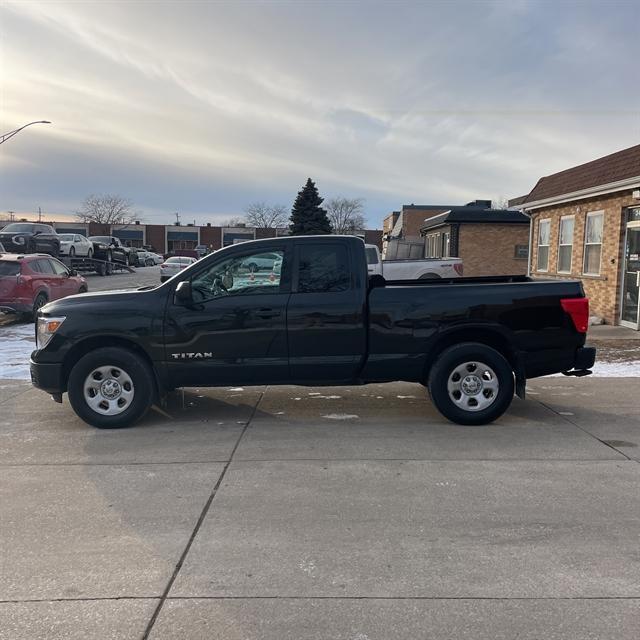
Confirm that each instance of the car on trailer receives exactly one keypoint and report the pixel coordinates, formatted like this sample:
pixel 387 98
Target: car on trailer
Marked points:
pixel 109 249
pixel 30 237
pixel 75 244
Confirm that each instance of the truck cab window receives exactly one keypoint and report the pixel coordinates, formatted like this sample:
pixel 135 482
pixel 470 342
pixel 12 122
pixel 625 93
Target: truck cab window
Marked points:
pixel 247 274
pixel 323 268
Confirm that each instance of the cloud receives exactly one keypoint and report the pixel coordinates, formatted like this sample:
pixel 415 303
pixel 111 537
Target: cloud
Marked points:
pixel 205 107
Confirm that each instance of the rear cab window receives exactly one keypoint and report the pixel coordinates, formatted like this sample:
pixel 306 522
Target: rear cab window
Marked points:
pixel 323 268
pixel 372 255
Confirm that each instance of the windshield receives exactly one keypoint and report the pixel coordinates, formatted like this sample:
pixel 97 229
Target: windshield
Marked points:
pixel 176 260
pixel 372 255
pixel 66 237
pixel 105 239
pixel 19 228
pixel 9 268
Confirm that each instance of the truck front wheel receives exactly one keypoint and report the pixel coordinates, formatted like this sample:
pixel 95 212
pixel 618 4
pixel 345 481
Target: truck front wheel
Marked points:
pixel 111 388
pixel 471 384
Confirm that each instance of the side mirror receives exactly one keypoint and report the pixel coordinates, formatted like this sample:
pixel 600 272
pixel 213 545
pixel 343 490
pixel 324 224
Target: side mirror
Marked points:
pixel 183 292
pixel 73 272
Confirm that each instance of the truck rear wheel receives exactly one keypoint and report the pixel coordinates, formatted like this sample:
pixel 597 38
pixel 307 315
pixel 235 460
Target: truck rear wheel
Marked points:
pixel 111 388
pixel 471 384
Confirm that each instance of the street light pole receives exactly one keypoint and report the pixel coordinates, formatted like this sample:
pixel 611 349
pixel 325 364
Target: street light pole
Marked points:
pixel 6 136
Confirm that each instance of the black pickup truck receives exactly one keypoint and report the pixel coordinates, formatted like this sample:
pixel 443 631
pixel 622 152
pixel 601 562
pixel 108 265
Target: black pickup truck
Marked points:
pixel 309 316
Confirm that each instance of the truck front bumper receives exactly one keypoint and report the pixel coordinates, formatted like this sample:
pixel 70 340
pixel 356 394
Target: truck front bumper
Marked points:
pixel 47 377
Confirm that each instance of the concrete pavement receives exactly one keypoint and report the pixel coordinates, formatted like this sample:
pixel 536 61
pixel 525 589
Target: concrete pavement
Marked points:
pixel 346 513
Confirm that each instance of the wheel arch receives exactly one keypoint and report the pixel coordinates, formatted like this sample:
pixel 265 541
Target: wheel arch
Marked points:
pixel 97 342
pixel 490 337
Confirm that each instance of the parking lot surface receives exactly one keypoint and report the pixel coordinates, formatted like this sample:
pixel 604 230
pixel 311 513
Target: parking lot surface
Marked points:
pixel 351 513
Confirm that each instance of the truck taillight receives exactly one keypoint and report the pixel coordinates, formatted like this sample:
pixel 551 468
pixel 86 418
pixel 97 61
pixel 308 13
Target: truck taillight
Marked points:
pixel 578 309
pixel 459 268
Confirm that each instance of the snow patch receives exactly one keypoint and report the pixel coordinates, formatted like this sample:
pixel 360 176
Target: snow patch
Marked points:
pixel 341 416
pixel 236 389
pixel 16 344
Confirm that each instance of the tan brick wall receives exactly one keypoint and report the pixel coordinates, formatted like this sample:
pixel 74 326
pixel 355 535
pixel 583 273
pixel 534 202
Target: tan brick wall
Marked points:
pixel 489 249
pixel 603 290
pixel 412 221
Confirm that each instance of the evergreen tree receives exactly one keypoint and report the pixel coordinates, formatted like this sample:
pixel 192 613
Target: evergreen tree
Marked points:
pixel 307 216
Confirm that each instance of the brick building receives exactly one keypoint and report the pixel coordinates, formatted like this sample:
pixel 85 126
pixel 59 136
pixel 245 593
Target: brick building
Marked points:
pixel 586 225
pixel 401 230
pixel 489 241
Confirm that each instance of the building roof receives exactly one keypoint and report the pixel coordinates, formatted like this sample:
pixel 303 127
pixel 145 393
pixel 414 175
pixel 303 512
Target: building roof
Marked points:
pixel 476 215
pixel 514 202
pixel 615 167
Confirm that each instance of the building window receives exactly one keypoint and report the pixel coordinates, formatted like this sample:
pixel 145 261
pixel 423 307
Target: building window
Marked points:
pixel 544 227
pixel 521 252
pixel 593 243
pixel 565 244
pixel 446 244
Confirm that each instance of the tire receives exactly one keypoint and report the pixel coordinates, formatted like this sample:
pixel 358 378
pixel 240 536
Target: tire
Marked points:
pixel 101 269
pixel 111 388
pixel 149 262
pixel 90 254
pixel 108 269
pixel 83 290
pixel 471 384
pixel 72 252
pixel 40 300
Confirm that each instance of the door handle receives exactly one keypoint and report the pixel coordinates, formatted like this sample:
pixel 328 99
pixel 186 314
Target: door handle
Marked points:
pixel 267 313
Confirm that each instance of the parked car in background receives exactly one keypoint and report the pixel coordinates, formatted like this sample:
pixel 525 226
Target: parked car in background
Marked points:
pixel 174 265
pixel 109 248
pixel 262 262
pixel 185 253
pixel 30 237
pixel 148 259
pixel 28 282
pixel 419 269
pixel 74 244
pixel 202 250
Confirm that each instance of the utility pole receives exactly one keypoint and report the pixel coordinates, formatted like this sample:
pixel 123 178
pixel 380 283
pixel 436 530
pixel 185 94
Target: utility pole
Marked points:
pixel 10 215
pixel 39 214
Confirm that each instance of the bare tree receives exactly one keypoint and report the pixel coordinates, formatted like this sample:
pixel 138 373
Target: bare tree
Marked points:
pixel 346 214
pixel 266 216
pixel 106 209
pixel 233 221
pixel 502 202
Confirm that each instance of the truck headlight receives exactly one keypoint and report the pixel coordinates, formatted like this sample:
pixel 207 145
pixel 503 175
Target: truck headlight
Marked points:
pixel 46 327
pixel 18 239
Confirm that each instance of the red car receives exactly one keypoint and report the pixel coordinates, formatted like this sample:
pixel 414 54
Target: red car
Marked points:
pixel 27 282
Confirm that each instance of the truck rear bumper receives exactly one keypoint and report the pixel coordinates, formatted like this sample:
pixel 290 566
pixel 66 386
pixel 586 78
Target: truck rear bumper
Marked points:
pixel 585 359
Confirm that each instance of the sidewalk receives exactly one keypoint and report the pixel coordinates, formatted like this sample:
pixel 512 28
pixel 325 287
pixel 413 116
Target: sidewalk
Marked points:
pixel 604 332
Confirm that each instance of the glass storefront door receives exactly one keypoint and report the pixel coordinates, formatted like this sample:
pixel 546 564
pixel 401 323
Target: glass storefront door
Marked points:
pixel 630 303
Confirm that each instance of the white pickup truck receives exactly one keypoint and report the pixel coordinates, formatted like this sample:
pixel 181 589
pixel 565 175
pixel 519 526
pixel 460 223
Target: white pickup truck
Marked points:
pixel 423 269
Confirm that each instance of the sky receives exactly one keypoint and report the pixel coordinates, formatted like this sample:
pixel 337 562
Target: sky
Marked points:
pixel 205 107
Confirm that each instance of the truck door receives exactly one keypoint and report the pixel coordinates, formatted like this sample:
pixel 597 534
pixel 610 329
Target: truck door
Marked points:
pixel 234 331
pixel 325 315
